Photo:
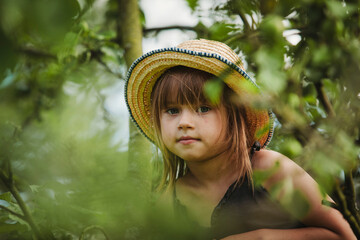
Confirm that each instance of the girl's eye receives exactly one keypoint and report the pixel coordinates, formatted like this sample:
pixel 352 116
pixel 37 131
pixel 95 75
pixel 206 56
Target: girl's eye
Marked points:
pixel 203 109
pixel 172 111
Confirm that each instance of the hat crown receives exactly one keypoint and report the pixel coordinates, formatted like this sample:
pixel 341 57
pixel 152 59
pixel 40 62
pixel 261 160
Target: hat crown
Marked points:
pixel 209 46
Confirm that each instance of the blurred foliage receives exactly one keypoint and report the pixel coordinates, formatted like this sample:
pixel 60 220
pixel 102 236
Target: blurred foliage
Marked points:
pixel 64 170
pixel 305 56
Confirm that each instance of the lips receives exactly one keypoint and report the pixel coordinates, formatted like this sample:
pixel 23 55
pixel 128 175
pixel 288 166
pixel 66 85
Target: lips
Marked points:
pixel 187 140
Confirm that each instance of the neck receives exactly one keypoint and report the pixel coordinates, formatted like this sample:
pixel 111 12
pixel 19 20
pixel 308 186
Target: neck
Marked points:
pixel 218 170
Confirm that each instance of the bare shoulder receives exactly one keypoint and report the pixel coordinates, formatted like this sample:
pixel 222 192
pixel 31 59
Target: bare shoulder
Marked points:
pixel 267 159
pixel 282 168
pixel 294 179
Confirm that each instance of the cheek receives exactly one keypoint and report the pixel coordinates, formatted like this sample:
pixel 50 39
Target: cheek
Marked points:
pixel 164 129
pixel 163 135
pixel 166 138
pixel 222 128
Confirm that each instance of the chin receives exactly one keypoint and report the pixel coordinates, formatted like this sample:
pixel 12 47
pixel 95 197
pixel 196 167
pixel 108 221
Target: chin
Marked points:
pixel 192 158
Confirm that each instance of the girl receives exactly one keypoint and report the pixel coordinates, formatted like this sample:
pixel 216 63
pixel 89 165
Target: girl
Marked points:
pixel 211 148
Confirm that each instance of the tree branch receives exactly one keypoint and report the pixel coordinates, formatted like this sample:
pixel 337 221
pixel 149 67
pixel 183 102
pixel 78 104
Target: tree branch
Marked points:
pixel 251 36
pixel 247 26
pixel 8 180
pixel 27 215
pixel 158 29
pixel 36 53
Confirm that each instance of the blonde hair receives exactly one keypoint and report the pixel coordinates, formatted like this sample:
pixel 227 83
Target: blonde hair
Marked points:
pixel 185 86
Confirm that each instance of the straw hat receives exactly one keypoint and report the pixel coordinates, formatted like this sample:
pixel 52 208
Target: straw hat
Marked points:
pixel 209 56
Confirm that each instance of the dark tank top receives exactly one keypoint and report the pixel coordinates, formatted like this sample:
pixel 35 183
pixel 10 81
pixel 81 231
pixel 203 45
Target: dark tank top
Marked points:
pixel 243 209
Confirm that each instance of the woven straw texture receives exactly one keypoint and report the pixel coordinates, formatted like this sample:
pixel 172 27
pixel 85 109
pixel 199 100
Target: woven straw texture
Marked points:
pixel 209 56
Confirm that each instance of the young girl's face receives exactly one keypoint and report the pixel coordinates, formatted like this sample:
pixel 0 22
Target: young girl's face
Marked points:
pixel 193 132
pixel 186 125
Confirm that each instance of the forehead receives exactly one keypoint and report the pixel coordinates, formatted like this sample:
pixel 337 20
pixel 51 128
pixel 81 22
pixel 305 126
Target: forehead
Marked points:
pixel 182 85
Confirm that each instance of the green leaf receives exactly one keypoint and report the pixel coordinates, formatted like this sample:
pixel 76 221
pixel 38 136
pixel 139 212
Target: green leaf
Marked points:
pixel 34 188
pixel 19 220
pixel 315 112
pixel 67 47
pixel 293 100
pixel 260 176
pixel 272 28
pixel 261 131
pixel 11 228
pixel 297 204
pixel 6 196
pixel 291 148
pixel 331 88
pixel 220 31
pixel 192 4
pixel 340 9
pixel 271 74
pixel 213 90
pixel 293 200
pixel 321 55
pixel 309 89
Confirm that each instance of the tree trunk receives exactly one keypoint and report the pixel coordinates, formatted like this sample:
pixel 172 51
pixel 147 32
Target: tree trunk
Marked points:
pixel 130 37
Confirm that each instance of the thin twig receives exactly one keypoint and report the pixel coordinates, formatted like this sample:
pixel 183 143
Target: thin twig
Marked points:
pixel 35 113
pixel 108 69
pixel 343 208
pixel 349 192
pixel 324 99
pixel 92 227
pixel 96 54
pixel 101 98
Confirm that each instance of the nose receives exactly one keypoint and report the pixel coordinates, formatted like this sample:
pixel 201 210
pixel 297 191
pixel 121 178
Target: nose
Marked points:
pixel 186 119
